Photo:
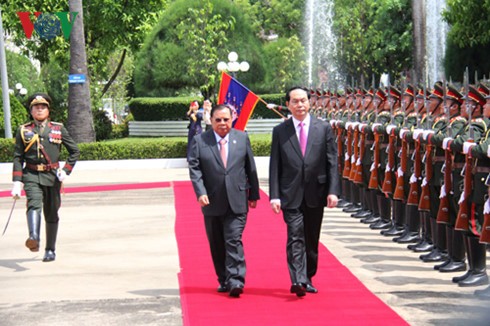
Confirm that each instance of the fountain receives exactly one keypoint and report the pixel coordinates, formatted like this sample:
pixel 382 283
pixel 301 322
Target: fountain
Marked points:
pixel 321 43
pixel 435 38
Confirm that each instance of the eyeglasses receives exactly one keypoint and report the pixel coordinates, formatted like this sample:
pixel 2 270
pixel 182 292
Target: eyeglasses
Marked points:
pixel 222 119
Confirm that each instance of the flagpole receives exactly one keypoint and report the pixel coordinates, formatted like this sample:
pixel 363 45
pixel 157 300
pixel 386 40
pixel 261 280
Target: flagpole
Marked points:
pixel 271 108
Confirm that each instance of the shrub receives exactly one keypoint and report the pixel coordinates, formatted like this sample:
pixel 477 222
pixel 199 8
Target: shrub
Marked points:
pixel 18 115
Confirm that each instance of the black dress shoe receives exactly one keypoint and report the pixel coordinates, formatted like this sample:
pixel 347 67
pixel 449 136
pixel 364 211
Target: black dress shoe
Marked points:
pixel 381 225
pixel 458 279
pixel 424 246
pixel 235 291
pixel 362 214
pixel 310 288
pixel 453 266
pixel 475 279
pixel 298 289
pixel 407 237
pixel 444 264
pixel 372 219
pixel 353 209
pixel 49 255
pixel 222 288
pixel 343 203
pixel 434 256
pixel 394 231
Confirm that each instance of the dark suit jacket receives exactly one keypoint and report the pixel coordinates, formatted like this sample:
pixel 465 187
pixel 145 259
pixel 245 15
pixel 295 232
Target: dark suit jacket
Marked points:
pixel 293 177
pixel 232 186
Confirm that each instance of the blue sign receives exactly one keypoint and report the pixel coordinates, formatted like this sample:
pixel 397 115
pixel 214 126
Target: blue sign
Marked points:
pixel 76 79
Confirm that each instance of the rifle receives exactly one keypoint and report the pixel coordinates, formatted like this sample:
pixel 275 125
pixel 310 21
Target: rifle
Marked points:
pixel 355 155
pixel 443 212
pixel 387 186
pixel 373 180
pixel 462 220
pixel 347 162
pixel 485 229
pixel 413 194
pixel 362 144
pixel 424 203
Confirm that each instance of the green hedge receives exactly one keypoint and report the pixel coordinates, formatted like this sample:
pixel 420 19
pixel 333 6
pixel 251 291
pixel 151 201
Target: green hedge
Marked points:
pixel 131 148
pixel 175 108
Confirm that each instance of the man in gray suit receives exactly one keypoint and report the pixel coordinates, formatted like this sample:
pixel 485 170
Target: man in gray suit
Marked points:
pixel 302 180
pixel 223 174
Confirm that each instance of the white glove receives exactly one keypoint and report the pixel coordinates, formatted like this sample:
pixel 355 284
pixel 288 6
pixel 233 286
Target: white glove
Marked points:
pixel 424 182
pixel 332 122
pixel 61 174
pixel 17 189
pixel 413 178
pixel 426 133
pixel 346 157
pixel 355 124
pixel 372 167
pixel 271 106
pixel 443 192
pixel 362 126
pixel 390 128
pixel 358 162
pixel 387 169
pixel 486 208
pixel 461 199
pixel 352 159
pixel 348 125
pixel 488 151
pixel 399 172
pixel 445 142
pixel 403 132
pixel 375 125
pixel 467 147
pixel 417 132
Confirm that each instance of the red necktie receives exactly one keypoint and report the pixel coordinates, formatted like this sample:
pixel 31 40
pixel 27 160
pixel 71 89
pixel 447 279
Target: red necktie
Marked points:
pixel 222 150
pixel 302 138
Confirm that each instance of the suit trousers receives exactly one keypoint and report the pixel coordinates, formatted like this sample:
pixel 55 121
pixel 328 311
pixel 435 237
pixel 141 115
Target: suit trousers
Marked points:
pixel 303 228
pixel 43 197
pixel 225 241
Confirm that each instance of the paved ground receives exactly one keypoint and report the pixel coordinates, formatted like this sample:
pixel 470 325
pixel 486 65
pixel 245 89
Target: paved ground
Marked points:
pixel 117 260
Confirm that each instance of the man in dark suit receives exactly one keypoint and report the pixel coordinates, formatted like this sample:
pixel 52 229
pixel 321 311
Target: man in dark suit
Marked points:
pixel 302 180
pixel 223 173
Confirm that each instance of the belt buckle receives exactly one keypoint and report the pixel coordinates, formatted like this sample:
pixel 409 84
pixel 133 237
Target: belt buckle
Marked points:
pixel 41 167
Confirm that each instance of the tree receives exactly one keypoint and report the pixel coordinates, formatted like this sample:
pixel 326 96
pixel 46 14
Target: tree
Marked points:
pixel 161 67
pixel 469 22
pixel 80 120
pixel 374 36
pixel 202 33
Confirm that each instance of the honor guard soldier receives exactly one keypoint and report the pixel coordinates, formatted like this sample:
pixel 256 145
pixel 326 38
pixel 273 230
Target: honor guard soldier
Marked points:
pixel 469 202
pixel 451 174
pixel 36 166
pixel 485 232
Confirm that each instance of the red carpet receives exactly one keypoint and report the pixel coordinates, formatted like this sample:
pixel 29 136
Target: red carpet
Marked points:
pixel 342 298
pixel 111 187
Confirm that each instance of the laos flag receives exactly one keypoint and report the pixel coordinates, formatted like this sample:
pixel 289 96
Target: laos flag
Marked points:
pixel 240 98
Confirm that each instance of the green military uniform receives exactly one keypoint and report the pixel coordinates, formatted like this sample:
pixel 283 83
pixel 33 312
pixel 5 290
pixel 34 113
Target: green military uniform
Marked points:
pixel 35 164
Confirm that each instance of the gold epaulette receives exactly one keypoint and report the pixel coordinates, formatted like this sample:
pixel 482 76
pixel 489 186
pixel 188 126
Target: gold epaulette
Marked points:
pixel 412 114
pixel 382 113
pixel 56 123
pixel 457 119
pixel 481 122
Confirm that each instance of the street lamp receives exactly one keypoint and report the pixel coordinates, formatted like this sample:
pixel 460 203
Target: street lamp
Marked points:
pixel 19 90
pixel 233 65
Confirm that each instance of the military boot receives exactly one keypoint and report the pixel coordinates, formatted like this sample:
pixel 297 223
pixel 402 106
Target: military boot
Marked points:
pixel 456 253
pixel 34 225
pixel 469 272
pixel 51 234
pixel 398 211
pixel 385 212
pixel 426 243
pixel 438 234
pixel 478 256
pixel 412 227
